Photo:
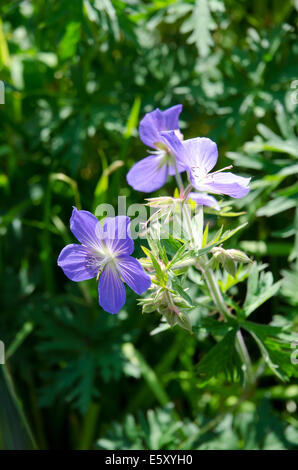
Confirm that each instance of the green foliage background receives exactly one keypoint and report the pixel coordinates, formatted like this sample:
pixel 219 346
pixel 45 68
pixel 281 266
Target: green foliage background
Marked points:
pixel 78 77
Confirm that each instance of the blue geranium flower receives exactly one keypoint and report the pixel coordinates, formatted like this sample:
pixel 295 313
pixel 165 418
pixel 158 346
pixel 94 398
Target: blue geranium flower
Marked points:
pixel 199 156
pixel 150 173
pixel 104 253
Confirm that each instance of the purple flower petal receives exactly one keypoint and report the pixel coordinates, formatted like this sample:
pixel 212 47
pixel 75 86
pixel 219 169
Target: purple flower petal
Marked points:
pixel 77 263
pixel 224 183
pixel 204 200
pixel 149 128
pixel 148 174
pixel 201 153
pixel 117 235
pixel 198 155
pixel 111 290
pixel 86 228
pixel 156 121
pixel 175 145
pixel 171 118
pixel 133 274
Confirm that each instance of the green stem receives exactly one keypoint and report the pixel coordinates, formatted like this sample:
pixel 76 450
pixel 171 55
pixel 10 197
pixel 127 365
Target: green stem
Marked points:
pixel 216 294
pixel 185 212
pixel 243 353
pixel 15 433
pixel 224 311
pixel 89 427
pixel 185 207
pixel 178 176
pixel 187 191
pixel 214 289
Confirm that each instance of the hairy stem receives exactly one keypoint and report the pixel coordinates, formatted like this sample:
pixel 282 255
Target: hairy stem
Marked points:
pixel 216 294
pixel 219 302
pixel 243 353
pixel 178 176
pixel 214 289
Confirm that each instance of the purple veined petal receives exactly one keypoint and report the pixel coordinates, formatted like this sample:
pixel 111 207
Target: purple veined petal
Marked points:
pixel 148 175
pixel 117 235
pixel 172 141
pixel 204 200
pixel 197 155
pixel 156 121
pixel 171 118
pixel 201 154
pixel 86 228
pixel 111 290
pixel 77 263
pixel 225 183
pixel 149 128
pixel 133 274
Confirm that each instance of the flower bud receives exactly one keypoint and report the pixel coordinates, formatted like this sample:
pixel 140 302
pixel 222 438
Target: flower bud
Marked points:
pixel 183 320
pixel 228 259
pixel 239 256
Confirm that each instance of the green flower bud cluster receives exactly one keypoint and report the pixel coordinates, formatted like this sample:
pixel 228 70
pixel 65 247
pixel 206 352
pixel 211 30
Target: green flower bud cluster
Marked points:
pixel 228 259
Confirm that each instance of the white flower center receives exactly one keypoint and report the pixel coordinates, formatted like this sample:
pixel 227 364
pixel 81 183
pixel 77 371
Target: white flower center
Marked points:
pixel 199 173
pixel 100 257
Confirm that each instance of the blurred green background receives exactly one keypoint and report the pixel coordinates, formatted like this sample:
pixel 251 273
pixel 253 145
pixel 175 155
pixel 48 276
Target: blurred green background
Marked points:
pixel 78 77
